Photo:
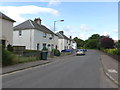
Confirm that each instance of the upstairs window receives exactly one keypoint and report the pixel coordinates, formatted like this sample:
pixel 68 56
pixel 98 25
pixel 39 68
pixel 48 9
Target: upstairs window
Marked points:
pixel 44 45
pixel 20 33
pixel 44 35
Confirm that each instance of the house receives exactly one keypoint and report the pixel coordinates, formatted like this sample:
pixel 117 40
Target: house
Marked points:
pixel 74 45
pixel 64 42
pixel 6 30
pixel 34 36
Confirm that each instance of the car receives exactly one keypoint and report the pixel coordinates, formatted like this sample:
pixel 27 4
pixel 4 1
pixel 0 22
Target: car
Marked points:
pixel 80 52
pixel 67 50
pixel 85 50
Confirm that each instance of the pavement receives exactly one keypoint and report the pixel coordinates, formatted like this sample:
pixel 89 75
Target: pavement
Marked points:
pixel 22 66
pixel 110 68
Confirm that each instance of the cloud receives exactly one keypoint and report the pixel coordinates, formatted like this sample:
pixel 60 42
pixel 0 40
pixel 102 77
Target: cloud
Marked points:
pixel 16 12
pixel 84 27
pixel 54 2
pixel 69 31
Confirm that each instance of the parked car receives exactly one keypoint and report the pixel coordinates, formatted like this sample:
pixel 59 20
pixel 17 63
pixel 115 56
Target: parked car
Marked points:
pixel 85 50
pixel 67 50
pixel 80 52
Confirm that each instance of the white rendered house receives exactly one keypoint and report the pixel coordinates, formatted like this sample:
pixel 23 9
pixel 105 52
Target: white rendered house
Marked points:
pixel 6 30
pixel 63 41
pixel 34 36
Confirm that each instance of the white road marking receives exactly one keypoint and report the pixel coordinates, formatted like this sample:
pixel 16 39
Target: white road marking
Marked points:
pixel 112 71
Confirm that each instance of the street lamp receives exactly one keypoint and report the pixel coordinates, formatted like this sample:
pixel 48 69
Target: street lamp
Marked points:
pixel 55 23
pixel 54 31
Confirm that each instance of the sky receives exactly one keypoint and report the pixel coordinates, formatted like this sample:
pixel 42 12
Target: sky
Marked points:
pixel 81 19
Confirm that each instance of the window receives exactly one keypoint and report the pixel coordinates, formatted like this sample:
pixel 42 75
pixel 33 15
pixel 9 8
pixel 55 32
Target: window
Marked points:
pixel 44 44
pixel 20 33
pixel 67 41
pixel 48 45
pixel 38 45
pixel 44 35
pixel 3 42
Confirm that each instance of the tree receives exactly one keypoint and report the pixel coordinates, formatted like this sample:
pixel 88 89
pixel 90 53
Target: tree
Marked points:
pixel 117 44
pixel 80 42
pixel 93 42
pixel 95 36
pixel 107 42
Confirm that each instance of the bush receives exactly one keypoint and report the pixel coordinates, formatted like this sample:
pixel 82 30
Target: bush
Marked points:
pixel 56 52
pixel 10 48
pixel 112 51
pixel 8 58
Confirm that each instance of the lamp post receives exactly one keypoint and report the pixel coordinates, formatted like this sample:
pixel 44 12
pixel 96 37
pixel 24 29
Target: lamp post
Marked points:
pixel 55 23
pixel 54 31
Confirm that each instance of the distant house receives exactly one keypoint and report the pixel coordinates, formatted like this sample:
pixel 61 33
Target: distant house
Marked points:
pixel 34 35
pixel 64 42
pixel 74 44
pixel 6 30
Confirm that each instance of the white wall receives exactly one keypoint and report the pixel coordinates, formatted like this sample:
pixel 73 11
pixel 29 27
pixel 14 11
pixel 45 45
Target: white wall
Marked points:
pixel 26 39
pixel 62 43
pixel 30 39
pixel 38 38
pixel 74 45
pixel 7 31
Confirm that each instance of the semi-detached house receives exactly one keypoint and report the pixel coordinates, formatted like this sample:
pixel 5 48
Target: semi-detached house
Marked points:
pixel 6 30
pixel 34 36
pixel 64 42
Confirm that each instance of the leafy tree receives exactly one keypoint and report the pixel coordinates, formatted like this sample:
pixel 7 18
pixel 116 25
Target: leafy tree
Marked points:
pixel 117 44
pixel 80 42
pixel 107 42
pixel 95 36
pixel 92 44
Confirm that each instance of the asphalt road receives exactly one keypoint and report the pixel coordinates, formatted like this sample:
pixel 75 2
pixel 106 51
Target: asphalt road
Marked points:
pixel 70 72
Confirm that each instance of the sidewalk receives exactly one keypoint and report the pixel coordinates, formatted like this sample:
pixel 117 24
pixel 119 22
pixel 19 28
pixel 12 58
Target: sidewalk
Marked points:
pixel 110 68
pixel 17 67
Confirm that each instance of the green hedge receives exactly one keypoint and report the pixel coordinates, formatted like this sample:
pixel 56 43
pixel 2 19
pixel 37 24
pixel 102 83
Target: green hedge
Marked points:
pixel 8 58
pixel 112 51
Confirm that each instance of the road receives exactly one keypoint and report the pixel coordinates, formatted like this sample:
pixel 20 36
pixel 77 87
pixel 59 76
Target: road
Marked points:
pixel 70 72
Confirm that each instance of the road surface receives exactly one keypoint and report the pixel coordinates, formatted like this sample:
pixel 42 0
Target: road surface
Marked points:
pixel 70 72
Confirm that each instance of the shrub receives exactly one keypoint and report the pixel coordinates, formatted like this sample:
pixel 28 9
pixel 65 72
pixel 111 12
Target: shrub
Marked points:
pixel 10 48
pixel 56 52
pixel 8 57
pixel 112 51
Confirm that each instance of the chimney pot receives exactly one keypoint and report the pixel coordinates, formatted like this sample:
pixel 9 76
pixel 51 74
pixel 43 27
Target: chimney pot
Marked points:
pixel 38 21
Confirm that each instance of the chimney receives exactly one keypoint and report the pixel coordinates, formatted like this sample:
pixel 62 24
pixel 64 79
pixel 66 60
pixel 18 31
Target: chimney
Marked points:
pixel 61 32
pixel 38 21
pixel 70 37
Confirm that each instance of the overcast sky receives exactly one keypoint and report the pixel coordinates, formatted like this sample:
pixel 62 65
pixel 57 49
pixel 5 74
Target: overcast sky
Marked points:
pixel 81 19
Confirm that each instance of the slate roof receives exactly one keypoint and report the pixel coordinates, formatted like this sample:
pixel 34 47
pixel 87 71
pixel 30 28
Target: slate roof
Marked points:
pixel 3 16
pixel 29 24
pixel 62 36
pixel 59 35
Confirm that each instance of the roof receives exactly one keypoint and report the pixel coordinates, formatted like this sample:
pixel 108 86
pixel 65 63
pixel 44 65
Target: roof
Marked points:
pixel 3 16
pixel 29 24
pixel 59 35
pixel 62 36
